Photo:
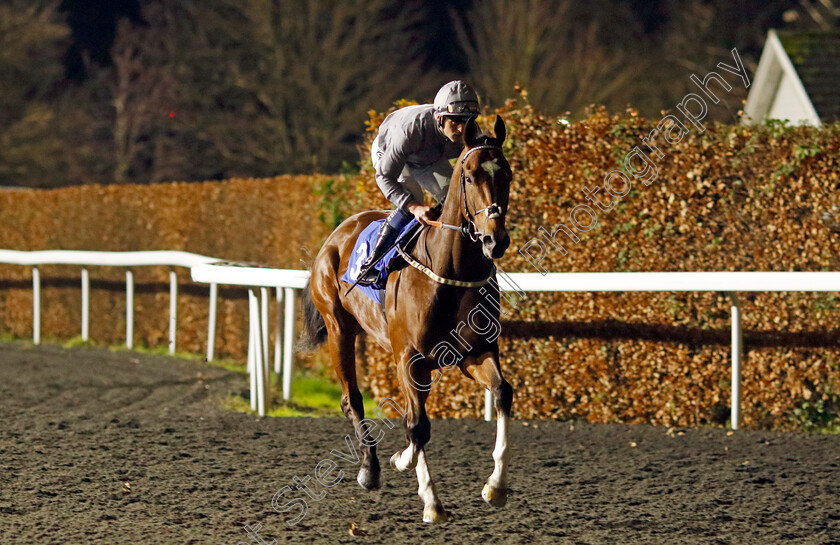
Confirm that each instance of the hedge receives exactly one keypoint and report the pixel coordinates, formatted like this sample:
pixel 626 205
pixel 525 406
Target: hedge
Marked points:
pixel 729 199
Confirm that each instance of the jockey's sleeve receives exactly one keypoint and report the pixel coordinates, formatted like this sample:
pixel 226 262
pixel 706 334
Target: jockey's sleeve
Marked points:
pixel 394 192
pixel 390 167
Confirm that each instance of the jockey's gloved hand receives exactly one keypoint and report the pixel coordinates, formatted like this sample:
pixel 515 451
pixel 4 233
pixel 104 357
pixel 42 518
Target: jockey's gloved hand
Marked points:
pixel 422 213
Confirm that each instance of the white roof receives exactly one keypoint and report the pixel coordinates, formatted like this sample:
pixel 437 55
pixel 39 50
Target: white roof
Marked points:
pixel 777 90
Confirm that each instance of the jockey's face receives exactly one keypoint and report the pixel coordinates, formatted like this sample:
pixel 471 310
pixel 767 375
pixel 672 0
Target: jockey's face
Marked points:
pixel 453 128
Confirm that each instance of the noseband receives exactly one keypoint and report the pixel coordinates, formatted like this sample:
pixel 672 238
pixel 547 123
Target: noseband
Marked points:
pixel 493 210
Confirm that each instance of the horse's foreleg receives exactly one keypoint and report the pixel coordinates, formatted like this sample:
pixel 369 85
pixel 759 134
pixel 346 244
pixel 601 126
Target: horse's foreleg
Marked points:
pixel 405 459
pixel 418 432
pixel 433 510
pixel 353 406
pixel 488 373
pixel 415 379
pixel 496 489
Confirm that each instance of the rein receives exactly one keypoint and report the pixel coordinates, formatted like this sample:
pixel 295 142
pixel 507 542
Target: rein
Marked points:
pixel 470 230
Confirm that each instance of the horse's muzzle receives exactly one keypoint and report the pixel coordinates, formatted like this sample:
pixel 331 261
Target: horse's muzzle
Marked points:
pixel 495 247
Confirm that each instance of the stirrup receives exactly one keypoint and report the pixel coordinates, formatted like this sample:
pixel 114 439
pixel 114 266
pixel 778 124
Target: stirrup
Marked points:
pixel 366 275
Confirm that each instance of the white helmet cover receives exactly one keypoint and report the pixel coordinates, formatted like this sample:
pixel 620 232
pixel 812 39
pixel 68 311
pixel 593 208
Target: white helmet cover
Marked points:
pixel 456 99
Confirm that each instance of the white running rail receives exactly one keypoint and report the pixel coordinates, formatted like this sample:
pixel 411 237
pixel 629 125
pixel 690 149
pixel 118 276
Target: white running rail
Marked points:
pixel 108 259
pixel 285 281
pixel 729 282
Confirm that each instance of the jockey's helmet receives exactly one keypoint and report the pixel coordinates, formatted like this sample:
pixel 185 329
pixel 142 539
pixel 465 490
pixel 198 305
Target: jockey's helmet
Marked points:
pixel 456 99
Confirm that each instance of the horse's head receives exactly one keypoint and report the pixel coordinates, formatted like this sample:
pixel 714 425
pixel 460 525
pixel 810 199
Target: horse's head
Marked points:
pixel 485 186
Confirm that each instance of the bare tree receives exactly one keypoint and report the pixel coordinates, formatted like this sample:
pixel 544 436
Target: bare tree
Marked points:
pixel 820 14
pixel 694 42
pixel 32 38
pixel 114 127
pixel 143 97
pixel 302 76
pixel 559 56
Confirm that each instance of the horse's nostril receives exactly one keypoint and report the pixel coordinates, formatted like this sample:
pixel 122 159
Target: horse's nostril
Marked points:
pixel 488 239
pixel 506 241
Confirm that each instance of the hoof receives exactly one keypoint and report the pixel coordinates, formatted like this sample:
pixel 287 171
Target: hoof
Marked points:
pixel 435 514
pixel 368 480
pixel 497 497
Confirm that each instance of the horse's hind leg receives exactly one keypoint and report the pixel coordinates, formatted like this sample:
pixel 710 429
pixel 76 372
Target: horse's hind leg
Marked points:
pixel 487 372
pixel 342 343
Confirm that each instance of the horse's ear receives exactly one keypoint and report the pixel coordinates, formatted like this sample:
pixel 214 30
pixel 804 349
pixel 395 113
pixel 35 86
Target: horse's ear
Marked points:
pixel 500 129
pixel 471 133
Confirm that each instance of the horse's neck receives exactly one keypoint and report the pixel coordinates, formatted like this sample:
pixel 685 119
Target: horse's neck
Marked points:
pixel 453 255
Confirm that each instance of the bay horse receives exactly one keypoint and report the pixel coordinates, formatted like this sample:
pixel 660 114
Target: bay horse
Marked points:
pixel 423 311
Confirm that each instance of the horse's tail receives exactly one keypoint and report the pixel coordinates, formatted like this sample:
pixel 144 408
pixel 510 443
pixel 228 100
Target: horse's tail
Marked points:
pixel 314 326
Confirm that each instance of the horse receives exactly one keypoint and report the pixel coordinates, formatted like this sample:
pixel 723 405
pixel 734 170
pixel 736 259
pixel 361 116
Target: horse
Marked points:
pixel 426 305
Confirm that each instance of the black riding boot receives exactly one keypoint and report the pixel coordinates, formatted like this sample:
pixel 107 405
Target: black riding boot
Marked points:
pixel 384 242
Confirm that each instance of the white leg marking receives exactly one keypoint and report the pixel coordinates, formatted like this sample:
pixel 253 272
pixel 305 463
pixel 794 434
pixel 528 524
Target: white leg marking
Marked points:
pixel 501 454
pixel 495 491
pixel 406 459
pixel 432 508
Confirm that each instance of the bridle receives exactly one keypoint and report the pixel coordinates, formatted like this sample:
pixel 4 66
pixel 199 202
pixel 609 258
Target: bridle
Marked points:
pixel 470 230
pixel 493 210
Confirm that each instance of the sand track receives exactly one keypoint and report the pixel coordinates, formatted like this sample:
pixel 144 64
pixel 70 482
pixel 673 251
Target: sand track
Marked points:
pixel 77 425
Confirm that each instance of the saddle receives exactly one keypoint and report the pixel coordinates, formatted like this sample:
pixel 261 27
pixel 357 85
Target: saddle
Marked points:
pixel 389 263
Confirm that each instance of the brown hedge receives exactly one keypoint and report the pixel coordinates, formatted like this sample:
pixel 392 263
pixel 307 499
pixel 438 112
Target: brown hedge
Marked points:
pixel 731 198
pixel 250 220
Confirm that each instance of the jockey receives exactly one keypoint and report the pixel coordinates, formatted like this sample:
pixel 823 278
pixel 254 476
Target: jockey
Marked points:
pixel 411 153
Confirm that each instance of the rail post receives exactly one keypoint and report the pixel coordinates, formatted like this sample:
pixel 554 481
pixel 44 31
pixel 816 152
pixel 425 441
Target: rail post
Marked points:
pixel 85 305
pixel 736 361
pixel 257 363
pixel 264 293
pixel 36 306
pixel 173 309
pixel 211 321
pixel 288 341
pixel 129 309
pixel 278 343
pixel 252 347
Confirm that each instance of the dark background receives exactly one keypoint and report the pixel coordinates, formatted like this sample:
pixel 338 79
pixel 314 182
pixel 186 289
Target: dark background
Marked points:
pixel 144 91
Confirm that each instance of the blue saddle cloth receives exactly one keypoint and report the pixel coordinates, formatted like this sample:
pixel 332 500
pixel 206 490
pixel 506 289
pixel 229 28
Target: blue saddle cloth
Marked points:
pixel 361 251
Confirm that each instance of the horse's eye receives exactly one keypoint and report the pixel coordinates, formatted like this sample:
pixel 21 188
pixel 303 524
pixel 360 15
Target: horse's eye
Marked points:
pixel 469 179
